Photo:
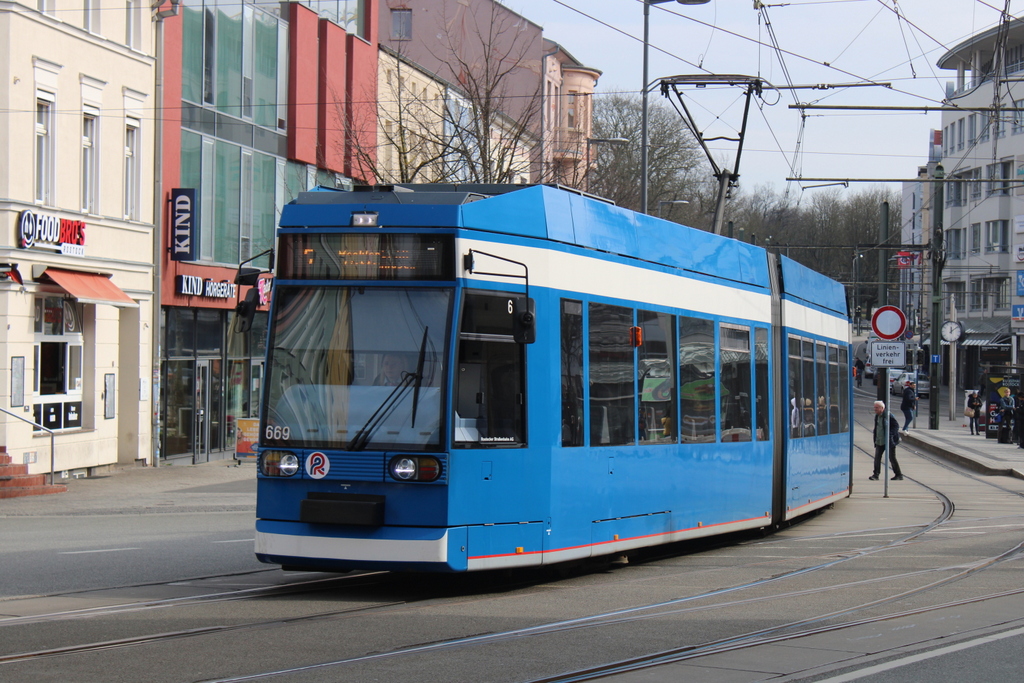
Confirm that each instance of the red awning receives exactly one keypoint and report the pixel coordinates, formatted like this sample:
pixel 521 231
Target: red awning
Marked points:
pixel 89 288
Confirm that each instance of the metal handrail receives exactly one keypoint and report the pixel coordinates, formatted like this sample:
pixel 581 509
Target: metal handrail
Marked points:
pixel 53 446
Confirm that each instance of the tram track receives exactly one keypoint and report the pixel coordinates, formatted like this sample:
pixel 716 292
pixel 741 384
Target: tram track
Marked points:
pixel 649 611
pixel 658 610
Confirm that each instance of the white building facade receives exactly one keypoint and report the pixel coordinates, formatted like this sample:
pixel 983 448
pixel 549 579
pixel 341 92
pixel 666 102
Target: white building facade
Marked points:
pixel 983 219
pixel 76 249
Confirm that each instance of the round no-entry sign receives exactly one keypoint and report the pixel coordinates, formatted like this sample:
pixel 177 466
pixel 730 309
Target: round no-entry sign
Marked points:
pixel 889 322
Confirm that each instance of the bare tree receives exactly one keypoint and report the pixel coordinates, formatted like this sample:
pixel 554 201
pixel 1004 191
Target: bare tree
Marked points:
pixel 676 168
pixel 470 114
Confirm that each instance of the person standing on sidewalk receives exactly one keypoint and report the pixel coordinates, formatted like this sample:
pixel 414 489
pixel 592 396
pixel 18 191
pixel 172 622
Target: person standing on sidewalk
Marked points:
pixel 974 404
pixel 881 416
pixel 1007 406
pixel 909 404
pixel 1018 419
pixel 858 371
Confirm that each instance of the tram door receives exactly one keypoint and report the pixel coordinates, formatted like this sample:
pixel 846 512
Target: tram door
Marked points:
pixel 201 446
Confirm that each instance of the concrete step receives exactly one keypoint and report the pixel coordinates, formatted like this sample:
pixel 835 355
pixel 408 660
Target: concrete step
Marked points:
pixel 12 470
pixel 21 491
pixel 21 480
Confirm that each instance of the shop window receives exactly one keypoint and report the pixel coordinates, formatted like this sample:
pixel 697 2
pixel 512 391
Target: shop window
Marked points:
pixel 58 371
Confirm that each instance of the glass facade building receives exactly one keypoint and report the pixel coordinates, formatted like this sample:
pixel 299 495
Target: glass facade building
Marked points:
pixel 240 82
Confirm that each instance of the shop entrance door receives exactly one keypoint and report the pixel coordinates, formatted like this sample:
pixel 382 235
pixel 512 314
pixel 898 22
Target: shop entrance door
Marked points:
pixel 201 448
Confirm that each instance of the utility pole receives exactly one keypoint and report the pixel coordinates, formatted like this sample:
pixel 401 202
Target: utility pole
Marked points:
pixel 938 260
pixel 882 374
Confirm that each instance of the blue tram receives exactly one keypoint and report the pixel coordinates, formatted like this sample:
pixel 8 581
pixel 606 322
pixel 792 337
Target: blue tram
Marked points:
pixel 476 377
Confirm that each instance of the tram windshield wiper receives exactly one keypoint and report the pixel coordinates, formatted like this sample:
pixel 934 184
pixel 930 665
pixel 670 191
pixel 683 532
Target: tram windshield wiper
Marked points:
pixel 379 415
pixel 388 405
pixel 419 376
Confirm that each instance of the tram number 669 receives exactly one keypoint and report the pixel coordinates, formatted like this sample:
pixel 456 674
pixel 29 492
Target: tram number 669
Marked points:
pixel 278 433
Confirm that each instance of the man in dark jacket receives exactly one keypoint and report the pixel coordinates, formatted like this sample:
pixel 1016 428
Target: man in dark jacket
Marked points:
pixel 881 417
pixel 909 404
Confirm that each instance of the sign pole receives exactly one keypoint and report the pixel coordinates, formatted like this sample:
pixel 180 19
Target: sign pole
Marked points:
pixel 938 261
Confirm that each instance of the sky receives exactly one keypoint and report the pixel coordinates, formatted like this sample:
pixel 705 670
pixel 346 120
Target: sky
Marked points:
pixel 833 42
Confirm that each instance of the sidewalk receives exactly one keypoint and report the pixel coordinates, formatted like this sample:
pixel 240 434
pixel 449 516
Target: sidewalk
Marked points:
pixel 223 486
pixel 219 486
pixel 954 442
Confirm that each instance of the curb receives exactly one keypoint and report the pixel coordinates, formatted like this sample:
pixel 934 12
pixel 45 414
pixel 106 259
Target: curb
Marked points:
pixel 970 463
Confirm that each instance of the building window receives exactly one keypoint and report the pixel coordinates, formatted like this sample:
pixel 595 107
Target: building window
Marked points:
pixel 1000 288
pixel 131 169
pixel 57 372
pixel 975 238
pixel 90 167
pixel 44 149
pixel 1018 122
pixel 960 134
pixel 91 16
pixel 133 24
pixel 401 24
pixel 997 236
pixel 972 129
pixel 956 297
pixel 955 244
pixel 976 186
pixel 983 133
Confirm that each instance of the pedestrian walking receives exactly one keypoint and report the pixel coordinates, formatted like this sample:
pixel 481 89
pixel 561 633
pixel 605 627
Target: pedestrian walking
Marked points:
pixel 973 411
pixel 1018 419
pixel 909 404
pixel 1006 408
pixel 883 417
pixel 858 371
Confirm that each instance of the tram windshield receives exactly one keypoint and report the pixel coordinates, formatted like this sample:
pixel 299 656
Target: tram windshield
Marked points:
pixel 357 368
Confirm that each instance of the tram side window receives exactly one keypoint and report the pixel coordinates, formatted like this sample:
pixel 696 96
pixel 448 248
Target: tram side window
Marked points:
pixel 734 342
pixel 821 370
pixel 833 390
pixel 489 399
pixel 796 397
pixel 696 380
pixel 656 377
pixel 807 390
pixel 612 408
pixel 572 373
pixel 844 390
pixel 763 420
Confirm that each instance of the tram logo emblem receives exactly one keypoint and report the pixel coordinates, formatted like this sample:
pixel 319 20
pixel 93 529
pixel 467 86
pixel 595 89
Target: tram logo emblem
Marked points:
pixel 317 465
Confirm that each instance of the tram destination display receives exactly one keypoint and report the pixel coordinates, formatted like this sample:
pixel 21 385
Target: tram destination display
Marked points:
pixel 367 256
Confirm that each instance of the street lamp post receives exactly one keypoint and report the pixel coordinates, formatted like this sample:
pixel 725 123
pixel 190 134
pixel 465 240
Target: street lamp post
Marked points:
pixel 643 95
pixel 663 202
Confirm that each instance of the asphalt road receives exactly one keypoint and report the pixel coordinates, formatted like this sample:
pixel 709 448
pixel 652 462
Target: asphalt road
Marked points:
pixel 903 588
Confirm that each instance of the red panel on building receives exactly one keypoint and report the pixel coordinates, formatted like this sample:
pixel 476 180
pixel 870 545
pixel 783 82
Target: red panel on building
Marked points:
pixel 361 154
pixel 332 94
pixel 303 60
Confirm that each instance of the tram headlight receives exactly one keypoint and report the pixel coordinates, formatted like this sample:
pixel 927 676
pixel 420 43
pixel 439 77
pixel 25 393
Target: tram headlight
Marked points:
pixel 415 468
pixel 403 469
pixel 278 463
